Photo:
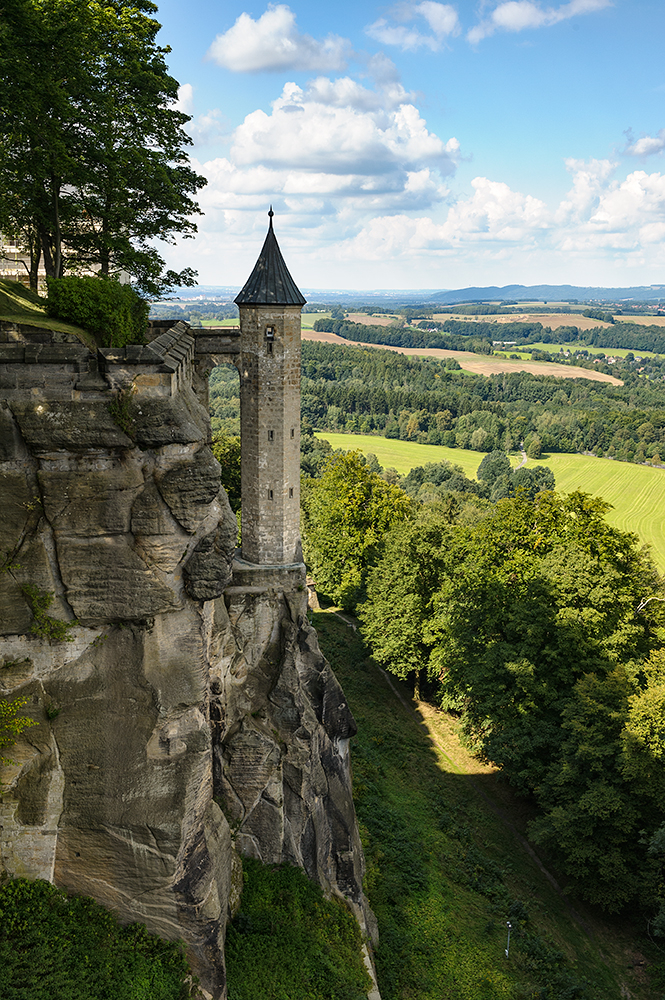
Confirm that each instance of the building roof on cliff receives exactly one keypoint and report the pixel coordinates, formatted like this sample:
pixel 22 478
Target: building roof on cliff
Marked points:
pixel 270 283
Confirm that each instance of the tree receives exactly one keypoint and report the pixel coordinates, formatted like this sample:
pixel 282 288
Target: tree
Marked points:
pixel 494 465
pixel 539 593
pixel 226 450
pixel 592 815
pixel 92 153
pixel 346 514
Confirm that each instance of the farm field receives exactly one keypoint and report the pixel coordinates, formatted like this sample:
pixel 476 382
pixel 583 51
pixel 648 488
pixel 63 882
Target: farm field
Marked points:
pixel 617 352
pixel 641 320
pixel 636 492
pixel 404 455
pixel 478 364
pixel 307 321
pixel 547 319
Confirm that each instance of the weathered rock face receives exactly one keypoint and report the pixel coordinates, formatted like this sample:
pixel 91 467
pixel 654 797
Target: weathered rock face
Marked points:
pixel 190 716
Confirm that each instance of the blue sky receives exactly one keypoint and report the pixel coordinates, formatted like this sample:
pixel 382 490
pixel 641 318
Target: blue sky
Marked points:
pixel 425 144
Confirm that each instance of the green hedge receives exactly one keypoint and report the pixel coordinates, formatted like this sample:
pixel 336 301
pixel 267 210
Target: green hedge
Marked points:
pixel 114 313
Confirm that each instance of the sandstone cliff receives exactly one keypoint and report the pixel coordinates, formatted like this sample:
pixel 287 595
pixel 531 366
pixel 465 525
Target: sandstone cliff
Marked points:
pixel 187 716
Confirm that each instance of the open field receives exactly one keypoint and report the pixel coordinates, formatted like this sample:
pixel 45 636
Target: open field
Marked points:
pixel 307 323
pixel 617 352
pixel 636 492
pixel 382 320
pixel 642 320
pixel 439 828
pixel 404 455
pixel 478 364
pixel 547 319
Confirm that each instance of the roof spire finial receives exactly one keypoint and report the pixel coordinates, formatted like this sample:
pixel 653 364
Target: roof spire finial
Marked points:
pixel 270 214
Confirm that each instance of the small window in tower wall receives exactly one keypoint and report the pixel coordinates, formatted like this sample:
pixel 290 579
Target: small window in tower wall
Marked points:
pixel 270 494
pixel 293 432
pixel 269 347
pixel 271 435
pixel 291 492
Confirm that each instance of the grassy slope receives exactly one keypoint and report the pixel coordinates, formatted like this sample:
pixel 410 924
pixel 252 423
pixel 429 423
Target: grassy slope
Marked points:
pixel 403 455
pixel 636 492
pixel 445 870
pixel 19 305
pixel 617 352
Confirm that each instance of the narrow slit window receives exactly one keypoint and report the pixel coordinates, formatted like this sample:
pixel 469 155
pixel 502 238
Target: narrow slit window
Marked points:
pixel 271 435
pixel 291 492
pixel 270 494
pixel 293 432
pixel 270 347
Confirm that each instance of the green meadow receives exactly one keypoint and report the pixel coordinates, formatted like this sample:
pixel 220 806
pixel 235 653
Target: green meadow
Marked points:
pixel 616 352
pixel 636 492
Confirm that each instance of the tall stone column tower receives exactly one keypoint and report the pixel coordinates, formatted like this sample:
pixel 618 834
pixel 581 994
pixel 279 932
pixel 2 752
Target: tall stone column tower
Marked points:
pixel 270 305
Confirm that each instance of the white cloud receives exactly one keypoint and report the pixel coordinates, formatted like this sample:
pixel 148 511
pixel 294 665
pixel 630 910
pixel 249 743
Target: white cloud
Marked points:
pixel 317 131
pixel 590 179
pixel 185 102
pixel 441 20
pixel 603 214
pixel 274 43
pixel 517 15
pixel 494 215
pixel 647 145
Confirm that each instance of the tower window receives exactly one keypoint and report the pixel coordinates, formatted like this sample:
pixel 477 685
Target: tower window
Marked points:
pixel 270 347
pixel 270 333
pixel 291 492
pixel 293 432
pixel 270 494
pixel 271 435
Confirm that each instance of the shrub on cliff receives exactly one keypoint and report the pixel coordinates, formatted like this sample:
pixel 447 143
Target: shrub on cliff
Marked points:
pixel 114 313
pixel 289 941
pixel 59 947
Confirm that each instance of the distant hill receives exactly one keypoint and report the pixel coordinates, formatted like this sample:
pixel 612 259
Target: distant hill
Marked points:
pixel 394 298
pixel 549 293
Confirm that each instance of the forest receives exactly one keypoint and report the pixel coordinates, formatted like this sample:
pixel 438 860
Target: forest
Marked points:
pixel 370 391
pixel 541 627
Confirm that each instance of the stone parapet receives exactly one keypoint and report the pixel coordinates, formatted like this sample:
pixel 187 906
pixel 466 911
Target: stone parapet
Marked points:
pixel 250 577
pixel 44 365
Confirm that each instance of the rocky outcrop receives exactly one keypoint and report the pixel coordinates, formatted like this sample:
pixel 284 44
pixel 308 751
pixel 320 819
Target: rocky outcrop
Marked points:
pixel 185 715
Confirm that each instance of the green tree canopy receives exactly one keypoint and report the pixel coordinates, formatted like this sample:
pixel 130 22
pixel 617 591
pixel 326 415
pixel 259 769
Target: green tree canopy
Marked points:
pixel 534 620
pixel 92 161
pixel 346 514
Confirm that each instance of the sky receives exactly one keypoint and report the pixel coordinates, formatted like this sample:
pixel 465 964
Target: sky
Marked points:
pixel 424 144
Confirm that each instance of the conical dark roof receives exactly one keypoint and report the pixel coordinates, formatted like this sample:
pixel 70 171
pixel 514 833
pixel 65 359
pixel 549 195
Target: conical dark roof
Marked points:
pixel 270 283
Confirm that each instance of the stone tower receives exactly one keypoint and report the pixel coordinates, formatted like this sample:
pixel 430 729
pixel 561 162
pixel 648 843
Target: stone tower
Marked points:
pixel 270 305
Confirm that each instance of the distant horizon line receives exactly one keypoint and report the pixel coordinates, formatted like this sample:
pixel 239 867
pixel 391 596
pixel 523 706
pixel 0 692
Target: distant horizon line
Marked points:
pixel 479 293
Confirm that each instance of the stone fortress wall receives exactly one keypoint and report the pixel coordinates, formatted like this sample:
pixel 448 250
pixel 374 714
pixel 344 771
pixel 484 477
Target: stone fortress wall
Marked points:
pixel 189 717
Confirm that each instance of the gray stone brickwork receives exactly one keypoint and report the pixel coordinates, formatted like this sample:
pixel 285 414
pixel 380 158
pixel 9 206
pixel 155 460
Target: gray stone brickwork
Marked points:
pixel 270 433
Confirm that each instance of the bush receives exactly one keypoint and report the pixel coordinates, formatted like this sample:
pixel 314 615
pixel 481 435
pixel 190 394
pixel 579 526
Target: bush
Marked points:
pixel 288 941
pixel 114 313
pixel 59 947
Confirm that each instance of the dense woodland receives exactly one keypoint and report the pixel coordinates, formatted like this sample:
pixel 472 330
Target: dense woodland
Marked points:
pixel 364 390
pixel 541 626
